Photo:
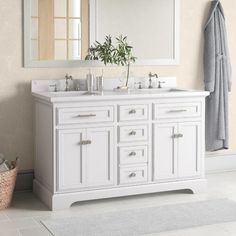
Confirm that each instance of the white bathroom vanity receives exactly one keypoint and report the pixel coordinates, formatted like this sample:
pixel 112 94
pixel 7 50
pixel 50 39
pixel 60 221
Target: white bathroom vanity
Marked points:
pixel 117 144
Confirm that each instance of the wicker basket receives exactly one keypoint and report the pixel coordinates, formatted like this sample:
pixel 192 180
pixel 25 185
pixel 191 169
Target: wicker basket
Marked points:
pixel 7 185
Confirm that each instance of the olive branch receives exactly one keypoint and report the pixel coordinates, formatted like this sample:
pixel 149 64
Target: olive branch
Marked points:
pixel 120 53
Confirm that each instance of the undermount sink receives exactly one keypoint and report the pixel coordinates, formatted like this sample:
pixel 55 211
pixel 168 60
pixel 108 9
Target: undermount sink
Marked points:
pixel 115 92
pixel 159 90
pixel 75 93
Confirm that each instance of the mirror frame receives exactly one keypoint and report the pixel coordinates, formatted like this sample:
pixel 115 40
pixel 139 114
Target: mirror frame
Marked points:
pixel 28 63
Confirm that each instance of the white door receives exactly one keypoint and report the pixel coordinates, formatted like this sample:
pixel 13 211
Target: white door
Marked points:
pixel 165 151
pixel 99 158
pixel 189 149
pixel 71 159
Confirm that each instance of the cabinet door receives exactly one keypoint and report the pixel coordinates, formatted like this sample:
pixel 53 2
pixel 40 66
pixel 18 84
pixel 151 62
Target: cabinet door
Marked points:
pixel 165 151
pixel 71 159
pixel 189 149
pixel 100 154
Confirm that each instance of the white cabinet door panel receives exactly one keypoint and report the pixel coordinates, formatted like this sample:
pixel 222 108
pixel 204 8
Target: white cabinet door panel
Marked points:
pixel 189 149
pixel 165 150
pixel 71 159
pixel 99 159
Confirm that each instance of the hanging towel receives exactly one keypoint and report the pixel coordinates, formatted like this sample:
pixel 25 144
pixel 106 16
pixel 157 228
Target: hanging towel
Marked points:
pixel 217 78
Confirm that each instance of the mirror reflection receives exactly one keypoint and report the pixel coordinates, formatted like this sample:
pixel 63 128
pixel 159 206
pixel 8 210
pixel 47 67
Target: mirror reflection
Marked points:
pixel 56 29
pixel 63 30
pixel 148 25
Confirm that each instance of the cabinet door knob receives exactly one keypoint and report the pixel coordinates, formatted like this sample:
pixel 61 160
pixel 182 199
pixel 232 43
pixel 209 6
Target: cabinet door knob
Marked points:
pixel 132 133
pixel 132 111
pixel 132 154
pixel 132 175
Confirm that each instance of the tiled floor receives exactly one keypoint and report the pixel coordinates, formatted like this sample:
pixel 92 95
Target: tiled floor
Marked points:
pixel 23 218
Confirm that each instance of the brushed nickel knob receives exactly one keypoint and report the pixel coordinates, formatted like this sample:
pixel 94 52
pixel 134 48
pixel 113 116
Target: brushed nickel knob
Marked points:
pixel 132 154
pixel 132 133
pixel 175 136
pixel 132 111
pixel 132 175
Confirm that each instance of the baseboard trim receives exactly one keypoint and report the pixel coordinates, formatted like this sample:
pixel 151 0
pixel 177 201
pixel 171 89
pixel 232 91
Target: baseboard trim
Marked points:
pixel 24 181
pixel 220 162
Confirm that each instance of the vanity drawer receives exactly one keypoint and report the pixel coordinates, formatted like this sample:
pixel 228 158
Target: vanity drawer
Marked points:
pixel 133 112
pixel 133 155
pixel 176 110
pixel 136 174
pixel 133 133
pixel 84 115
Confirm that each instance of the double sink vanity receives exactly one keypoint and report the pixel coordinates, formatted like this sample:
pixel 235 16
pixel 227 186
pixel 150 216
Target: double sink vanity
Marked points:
pixel 111 143
pixel 116 143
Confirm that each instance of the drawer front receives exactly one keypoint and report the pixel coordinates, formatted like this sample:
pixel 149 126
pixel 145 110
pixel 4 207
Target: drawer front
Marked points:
pixel 133 155
pixel 84 115
pixel 133 112
pixel 177 110
pixel 133 133
pixel 129 175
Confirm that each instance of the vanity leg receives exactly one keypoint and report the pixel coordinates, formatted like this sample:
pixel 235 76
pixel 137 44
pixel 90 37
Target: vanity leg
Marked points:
pixel 200 187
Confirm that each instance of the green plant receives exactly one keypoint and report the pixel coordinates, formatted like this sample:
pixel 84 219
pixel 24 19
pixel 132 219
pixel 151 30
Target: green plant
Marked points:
pixel 120 54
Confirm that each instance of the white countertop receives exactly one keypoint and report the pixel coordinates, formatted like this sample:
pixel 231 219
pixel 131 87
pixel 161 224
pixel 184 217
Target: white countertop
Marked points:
pixel 77 96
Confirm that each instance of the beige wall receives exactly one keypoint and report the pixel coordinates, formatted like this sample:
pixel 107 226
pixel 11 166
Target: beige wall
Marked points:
pixel 16 135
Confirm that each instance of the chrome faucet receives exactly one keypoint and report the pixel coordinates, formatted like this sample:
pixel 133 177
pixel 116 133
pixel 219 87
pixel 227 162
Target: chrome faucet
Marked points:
pixel 68 77
pixel 150 79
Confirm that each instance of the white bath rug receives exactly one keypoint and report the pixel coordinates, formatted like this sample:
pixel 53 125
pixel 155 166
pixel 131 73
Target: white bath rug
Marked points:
pixel 146 220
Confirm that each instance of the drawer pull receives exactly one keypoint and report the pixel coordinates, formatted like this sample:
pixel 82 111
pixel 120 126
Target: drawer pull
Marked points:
pixel 132 175
pixel 132 154
pixel 177 111
pixel 132 111
pixel 88 115
pixel 178 136
pixel 132 133
pixel 85 142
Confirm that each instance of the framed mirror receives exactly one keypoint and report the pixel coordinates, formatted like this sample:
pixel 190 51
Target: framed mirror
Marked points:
pixel 58 33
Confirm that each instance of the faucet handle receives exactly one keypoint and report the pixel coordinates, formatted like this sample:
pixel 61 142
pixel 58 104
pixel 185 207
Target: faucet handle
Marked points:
pixel 68 77
pixel 160 82
pixel 139 85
